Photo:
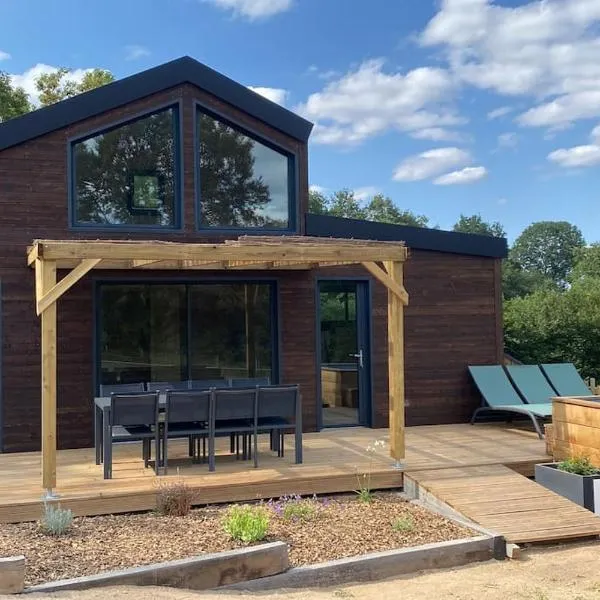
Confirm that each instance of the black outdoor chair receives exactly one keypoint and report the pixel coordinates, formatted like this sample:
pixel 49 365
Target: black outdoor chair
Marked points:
pixel 239 382
pixel 234 413
pixel 280 411
pixel 206 384
pixel 187 414
pixel 166 386
pixel 121 388
pixel 133 417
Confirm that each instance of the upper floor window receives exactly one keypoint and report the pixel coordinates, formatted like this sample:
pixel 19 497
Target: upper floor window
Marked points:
pixel 128 175
pixel 242 183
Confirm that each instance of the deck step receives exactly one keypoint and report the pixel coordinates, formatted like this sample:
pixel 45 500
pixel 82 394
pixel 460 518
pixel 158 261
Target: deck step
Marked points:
pixel 503 501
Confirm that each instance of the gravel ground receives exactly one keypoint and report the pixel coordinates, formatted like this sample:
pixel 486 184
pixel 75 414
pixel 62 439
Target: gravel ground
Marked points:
pixel 335 528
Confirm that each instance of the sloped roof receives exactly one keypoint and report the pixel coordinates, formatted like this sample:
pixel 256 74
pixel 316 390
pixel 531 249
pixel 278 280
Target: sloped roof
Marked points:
pixel 138 86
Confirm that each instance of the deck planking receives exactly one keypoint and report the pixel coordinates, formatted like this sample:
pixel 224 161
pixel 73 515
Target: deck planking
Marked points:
pixel 332 460
pixel 501 500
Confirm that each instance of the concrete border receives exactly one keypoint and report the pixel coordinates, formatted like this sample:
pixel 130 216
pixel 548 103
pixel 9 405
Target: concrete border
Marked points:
pixel 379 565
pixel 198 573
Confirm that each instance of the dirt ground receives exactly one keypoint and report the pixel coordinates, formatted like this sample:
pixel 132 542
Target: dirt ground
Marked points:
pixel 562 573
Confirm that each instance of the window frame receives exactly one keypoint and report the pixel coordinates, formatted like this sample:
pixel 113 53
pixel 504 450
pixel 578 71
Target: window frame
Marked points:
pixel 261 138
pixel 274 284
pixel 177 107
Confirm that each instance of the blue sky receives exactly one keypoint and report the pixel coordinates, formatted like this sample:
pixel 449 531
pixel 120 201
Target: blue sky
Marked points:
pixel 458 106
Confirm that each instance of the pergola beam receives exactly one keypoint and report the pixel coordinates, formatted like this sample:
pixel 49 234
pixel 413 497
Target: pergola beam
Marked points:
pixel 396 363
pixel 387 280
pixel 50 296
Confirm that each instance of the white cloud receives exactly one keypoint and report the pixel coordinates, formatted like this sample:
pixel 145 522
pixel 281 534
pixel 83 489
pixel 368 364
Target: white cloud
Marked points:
pixel 499 112
pixel 366 192
pixel 508 140
pixel 276 95
pixel 135 52
pixel 587 155
pixel 369 101
pixel 502 201
pixel 431 163
pixel 5 55
pixel 547 50
pixel 27 79
pixel 578 156
pixel 461 177
pixel 437 134
pixel 319 189
pixel 254 9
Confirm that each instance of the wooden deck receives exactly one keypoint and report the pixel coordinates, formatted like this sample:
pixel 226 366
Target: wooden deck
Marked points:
pixel 332 459
pixel 501 500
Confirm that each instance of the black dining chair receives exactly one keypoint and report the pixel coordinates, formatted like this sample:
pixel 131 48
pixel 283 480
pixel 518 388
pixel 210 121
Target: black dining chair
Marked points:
pixel 133 417
pixel 279 410
pixel 234 414
pixel 239 382
pixel 121 388
pixel 166 386
pixel 187 414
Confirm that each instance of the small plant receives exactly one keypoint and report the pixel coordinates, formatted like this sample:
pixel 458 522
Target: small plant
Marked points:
pixel 246 523
pixel 56 520
pixel 174 499
pixel 579 466
pixel 299 510
pixel 364 491
pixel 403 524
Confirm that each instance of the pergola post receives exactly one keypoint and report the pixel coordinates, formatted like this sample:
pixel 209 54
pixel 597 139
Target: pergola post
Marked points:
pixel 396 362
pixel 45 272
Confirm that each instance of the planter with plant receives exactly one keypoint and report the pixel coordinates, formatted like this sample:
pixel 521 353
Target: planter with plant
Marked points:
pixel 575 478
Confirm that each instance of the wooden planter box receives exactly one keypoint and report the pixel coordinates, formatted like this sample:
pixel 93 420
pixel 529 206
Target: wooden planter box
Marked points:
pixel 12 575
pixel 576 428
pixel 581 489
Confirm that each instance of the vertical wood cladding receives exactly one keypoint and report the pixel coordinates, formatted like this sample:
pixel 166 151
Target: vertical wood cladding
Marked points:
pixel 452 319
pixel 450 322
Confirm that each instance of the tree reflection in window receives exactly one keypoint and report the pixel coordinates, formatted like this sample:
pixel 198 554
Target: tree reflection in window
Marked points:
pixel 117 170
pixel 242 182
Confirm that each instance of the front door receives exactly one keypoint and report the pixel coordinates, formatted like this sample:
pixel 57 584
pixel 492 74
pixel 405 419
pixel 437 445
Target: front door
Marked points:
pixel 344 353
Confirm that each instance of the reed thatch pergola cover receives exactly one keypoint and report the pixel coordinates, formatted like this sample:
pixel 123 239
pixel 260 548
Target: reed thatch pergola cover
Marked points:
pixel 384 260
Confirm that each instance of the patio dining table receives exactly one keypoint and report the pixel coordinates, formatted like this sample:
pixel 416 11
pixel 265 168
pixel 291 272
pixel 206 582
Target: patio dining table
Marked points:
pixel 102 409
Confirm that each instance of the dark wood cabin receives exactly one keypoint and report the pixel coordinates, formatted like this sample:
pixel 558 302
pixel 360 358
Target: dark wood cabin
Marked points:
pixel 181 153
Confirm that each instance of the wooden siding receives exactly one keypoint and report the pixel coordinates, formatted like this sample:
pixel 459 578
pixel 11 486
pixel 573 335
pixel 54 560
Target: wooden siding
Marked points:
pixel 452 319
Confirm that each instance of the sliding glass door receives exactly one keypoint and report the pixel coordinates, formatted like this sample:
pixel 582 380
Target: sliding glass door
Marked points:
pixel 173 332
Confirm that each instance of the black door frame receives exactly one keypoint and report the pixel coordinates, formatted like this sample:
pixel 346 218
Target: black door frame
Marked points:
pixel 365 340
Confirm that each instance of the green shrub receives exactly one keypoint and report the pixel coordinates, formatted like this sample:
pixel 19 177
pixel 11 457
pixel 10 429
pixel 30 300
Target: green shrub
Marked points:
pixel 365 495
pixel 56 520
pixel 403 524
pixel 298 510
pixel 174 499
pixel 246 523
pixel 579 466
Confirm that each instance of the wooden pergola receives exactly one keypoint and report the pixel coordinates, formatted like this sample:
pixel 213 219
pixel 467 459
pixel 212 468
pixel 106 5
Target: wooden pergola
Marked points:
pixel 383 260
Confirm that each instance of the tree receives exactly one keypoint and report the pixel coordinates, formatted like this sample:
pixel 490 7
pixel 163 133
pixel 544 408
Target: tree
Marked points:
pixel 475 224
pixel 343 203
pixel 380 208
pixel 383 210
pixel 517 283
pixel 557 326
pixel 317 203
pixel 548 247
pixel 587 263
pixel 56 86
pixel 13 100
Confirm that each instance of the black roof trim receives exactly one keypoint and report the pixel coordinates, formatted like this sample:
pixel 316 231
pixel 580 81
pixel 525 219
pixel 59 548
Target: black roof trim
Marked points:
pixel 146 83
pixel 419 238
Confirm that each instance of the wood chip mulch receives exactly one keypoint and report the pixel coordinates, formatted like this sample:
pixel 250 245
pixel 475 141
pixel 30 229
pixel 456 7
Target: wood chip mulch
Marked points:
pixel 338 527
